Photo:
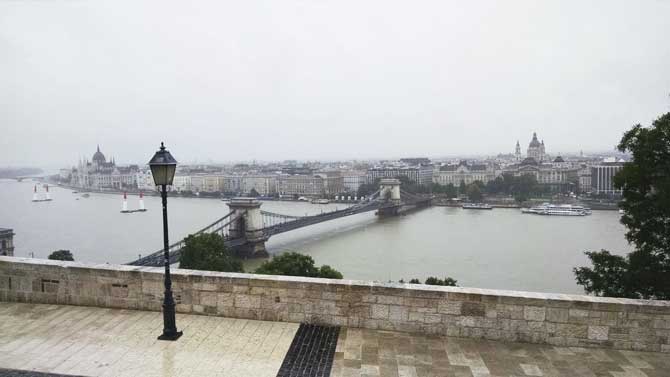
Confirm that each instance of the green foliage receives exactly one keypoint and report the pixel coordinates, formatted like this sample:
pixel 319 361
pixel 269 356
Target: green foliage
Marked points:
pixel 521 188
pixel 434 281
pixel 446 282
pixel 209 253
pixel 296 264
pixel 253 193
pixel 645 182
pixel 61 255
pixel 474 193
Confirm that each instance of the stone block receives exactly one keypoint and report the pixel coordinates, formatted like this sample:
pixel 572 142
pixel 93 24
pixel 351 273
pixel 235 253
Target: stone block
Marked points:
pixel 378 311
pixel 398 313
pixel 598 332
pixel 208 298
pixel 390 300
pixel 578 313
pixel 432 318
pixel 534 313
pixel 247 302
pixel 449 307
pixel 416 317
pixel 557 315
pixel 475 309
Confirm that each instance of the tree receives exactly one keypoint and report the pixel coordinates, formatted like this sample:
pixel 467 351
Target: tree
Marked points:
pixel 645 185
pixel 415 281
pixel 61 255
pixel 208 252
pixel 296 264
pixel 474 193
pixel 446 282
pixel 253 193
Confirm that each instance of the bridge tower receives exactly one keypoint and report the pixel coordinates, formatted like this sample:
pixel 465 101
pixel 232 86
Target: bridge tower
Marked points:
pixel 249 227
pixel 389 192
pixel 389 189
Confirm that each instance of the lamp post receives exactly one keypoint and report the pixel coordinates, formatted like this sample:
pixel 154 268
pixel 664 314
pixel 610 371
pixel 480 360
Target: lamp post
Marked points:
pixel 163 166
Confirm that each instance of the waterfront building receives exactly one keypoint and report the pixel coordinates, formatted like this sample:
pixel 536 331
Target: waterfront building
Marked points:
pixel 181 183
pixel 6 242
pixel 463 172
pixel 317 185
pixel 421 174
pixel 601 178
pixel 352 180
pixel 101 174
pixel 559 177
pixel 265 185
pixel 584 176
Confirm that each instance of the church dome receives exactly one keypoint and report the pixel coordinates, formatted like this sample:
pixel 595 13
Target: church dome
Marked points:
pixel 559 159
pixel 529 161
pixel 534 142
pixel 98 156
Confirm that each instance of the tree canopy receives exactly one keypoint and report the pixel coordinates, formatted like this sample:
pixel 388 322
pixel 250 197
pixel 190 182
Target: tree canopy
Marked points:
pixel 208 252
pixel 296 264
pixel 645 185
pixel 61 255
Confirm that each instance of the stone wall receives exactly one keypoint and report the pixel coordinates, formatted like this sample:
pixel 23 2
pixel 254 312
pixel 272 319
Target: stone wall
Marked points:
pixel 563 320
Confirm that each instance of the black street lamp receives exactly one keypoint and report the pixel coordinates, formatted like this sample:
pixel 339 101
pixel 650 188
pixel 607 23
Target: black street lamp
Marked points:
pixel 163 166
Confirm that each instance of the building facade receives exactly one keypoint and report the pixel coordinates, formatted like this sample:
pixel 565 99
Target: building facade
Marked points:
pixel 6 242
pixel 464 173
pixel 422 175
pixel 264 185
pixel 557 176
pixel 352 180
pixel 100 174
pixel 602 178
pixel 315 186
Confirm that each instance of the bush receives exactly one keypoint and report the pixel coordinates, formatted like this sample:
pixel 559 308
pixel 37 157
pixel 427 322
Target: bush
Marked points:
pixel 296 264
pixel 61 255
pixel 446 282
pixel 434 281
pixel 209 253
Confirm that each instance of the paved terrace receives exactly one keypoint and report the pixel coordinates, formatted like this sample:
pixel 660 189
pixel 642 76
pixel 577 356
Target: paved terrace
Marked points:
pixel 90 341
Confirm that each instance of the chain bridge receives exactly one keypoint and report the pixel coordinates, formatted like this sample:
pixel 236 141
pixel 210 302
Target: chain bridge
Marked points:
pixel 246 228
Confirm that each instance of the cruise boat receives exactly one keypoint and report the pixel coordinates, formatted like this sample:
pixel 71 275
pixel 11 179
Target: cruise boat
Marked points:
pixel 476 206
pixel 557 210
pixel 320 201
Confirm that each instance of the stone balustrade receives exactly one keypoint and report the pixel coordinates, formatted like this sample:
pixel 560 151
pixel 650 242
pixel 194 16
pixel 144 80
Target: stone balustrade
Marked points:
pixel 557 319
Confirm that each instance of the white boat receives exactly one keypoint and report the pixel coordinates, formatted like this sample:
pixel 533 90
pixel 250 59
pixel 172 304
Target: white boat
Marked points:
pixel 320 201
pixel 476 206
pixel 557 210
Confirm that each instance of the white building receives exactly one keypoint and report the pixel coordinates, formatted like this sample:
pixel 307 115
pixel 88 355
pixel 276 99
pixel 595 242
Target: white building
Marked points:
pixel 464 173
pixel 352 180
pixel 264 185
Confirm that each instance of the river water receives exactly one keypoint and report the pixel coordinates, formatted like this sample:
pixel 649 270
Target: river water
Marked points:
pixel 500 249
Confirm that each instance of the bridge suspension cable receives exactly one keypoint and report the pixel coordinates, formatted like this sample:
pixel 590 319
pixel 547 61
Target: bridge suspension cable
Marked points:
pixel 219 226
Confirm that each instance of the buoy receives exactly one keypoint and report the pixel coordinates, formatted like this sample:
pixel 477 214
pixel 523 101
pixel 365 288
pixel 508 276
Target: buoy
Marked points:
pixel 142 209
pixel 125 204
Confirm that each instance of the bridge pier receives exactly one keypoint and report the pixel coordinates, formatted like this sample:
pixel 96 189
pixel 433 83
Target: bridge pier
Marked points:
pixel 249 227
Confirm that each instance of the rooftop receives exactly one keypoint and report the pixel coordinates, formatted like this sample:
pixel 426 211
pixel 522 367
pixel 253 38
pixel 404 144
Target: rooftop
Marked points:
pixel 89 341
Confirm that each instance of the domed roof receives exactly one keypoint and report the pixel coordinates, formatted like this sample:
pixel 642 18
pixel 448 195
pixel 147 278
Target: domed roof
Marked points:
pixel 534 142
pixel 529 161
pixel 98 156
pixel 559 159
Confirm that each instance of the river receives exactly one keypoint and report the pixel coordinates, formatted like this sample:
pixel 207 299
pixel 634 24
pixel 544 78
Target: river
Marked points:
pixel 500 249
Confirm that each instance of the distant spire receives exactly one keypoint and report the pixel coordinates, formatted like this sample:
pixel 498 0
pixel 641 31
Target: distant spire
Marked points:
pixel 98 147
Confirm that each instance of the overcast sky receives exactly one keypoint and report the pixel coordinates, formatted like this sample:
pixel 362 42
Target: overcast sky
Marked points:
pixel 272 80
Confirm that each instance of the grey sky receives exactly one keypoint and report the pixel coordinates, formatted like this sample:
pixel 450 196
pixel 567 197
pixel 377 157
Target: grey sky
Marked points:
pixel 268 80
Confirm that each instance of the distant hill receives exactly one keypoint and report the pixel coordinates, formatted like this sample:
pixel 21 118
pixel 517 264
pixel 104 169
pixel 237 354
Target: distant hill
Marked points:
pixel 19 172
